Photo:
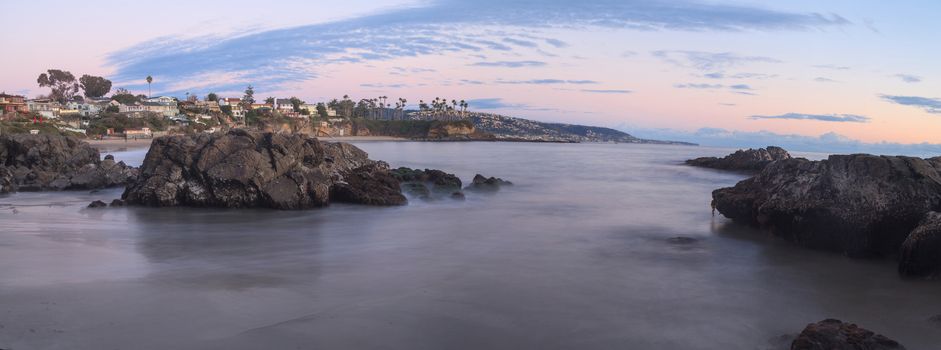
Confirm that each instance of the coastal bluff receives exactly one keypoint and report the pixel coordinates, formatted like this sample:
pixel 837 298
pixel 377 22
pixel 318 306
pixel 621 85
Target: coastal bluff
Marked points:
pixel 243 169
pixel 860 205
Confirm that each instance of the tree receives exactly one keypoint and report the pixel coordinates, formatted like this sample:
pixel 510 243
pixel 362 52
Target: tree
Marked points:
pixel 125 97
pixel 227 110
pixel 249 96
pixel 322 110
pixel 296 104
pixel 149 79
pixel 93 86
pixel 269 100
pixel 212 97
pixel 62 84
pixel 112 109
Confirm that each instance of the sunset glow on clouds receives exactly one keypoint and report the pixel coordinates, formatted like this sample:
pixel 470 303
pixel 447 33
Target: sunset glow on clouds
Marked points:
pixel 861 70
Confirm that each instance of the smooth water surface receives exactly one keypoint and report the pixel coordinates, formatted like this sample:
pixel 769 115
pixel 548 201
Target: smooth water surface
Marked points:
pixel 598 246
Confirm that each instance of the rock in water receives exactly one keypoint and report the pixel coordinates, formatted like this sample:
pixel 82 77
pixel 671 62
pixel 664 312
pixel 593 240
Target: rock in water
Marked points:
pixel 491 184
pixel 244 169
pixel 51 162
pixel 861 205
pixel 921 251
pixel 750 160
pixel 438 180
pixel 117 203
pixel 369 184
pixel 97 204
pixel 833 334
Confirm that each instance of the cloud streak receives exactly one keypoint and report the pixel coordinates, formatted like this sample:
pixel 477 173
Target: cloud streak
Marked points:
pixel 708 61
pixel 272 58
pixel 838 118
pixel 509 64
pixel 930 105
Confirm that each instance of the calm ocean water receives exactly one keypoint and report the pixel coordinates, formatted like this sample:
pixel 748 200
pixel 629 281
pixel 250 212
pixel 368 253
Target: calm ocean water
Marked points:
pixel 598 246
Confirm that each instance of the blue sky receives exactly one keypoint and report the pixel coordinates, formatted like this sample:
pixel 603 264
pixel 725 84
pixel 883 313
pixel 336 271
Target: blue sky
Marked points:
pixel 838 72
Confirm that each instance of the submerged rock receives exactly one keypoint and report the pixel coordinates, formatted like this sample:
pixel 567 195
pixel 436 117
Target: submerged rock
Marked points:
pixel 935 320
pixel 831 334
pixel 117 203
pixel 51 162
pixel 861 205
pixel 242 169
pixel 750 160
pixel 491 184
pixel 921 251
pixel 97 204
pixel 438 180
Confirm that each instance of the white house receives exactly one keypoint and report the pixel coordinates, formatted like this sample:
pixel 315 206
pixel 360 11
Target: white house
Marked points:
pixel 46 108
pixel 161 99
pixel 166 109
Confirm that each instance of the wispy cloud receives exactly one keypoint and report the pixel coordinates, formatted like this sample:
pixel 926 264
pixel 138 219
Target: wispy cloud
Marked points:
pixel 930 105
pixel 840 118
pixel 509 64
pixel 708 61
pixel 698 86
pixel 272 58
pixel 739 76
pixel 546 82
pixel 824 80
pixel 908 78
pixel 740 87
pixel 603 91
pixel 520 42
pixel 831 67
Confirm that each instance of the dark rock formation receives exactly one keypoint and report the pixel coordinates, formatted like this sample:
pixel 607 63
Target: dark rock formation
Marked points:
pixel 921 251
pixel 750 160
pixel 861 205
pixel 833 334
pixel 429 184
pixel 438 180
pixel 487 184
pixel 244 169
pixel 50 162
pixel 118 203
pixel 458 196
pixel 369 184
pixel 97 204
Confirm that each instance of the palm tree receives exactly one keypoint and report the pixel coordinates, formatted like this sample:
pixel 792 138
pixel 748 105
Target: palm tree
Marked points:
pixel 149 79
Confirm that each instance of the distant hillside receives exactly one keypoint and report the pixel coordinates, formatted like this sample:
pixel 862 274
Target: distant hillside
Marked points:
pixel 504 127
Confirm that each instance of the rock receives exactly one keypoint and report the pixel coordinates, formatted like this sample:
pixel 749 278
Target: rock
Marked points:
pixel 438 180
pixel 417 189
pixel 921 251
pixel 51 162
pixel 118 203
pixel 242 169
pixel 750 160
pixel 370 184
pixel 458 196
pixel 97 204
pixel 860 205
pixel 485 184
pixel 833 334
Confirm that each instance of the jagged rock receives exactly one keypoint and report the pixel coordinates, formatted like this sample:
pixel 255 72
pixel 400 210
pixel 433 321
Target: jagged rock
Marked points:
pixel 370 184
pixel 417 189
pixel 921 251
pixel 458 196
pixel 242 169
pixel 485 184
pixel 97 204
pixel 750 160
pixel 438 180
pixel 861 205
pixel 118 203
pixel 831 334
pixel 51 162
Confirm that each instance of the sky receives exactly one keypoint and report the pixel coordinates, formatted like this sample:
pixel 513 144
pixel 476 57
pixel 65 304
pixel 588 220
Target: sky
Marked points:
pixel 852 75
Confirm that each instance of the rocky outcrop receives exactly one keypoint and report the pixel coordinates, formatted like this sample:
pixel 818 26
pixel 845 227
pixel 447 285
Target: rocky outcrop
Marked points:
pixel 242 169
pixel 369 184
pixel 451 131
pixel 97 204
pixel 487 184
pixel 750 160
pixel 921 251
pixel 833 334
pixel 429 183
pixel 52 162
pixel 861 205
